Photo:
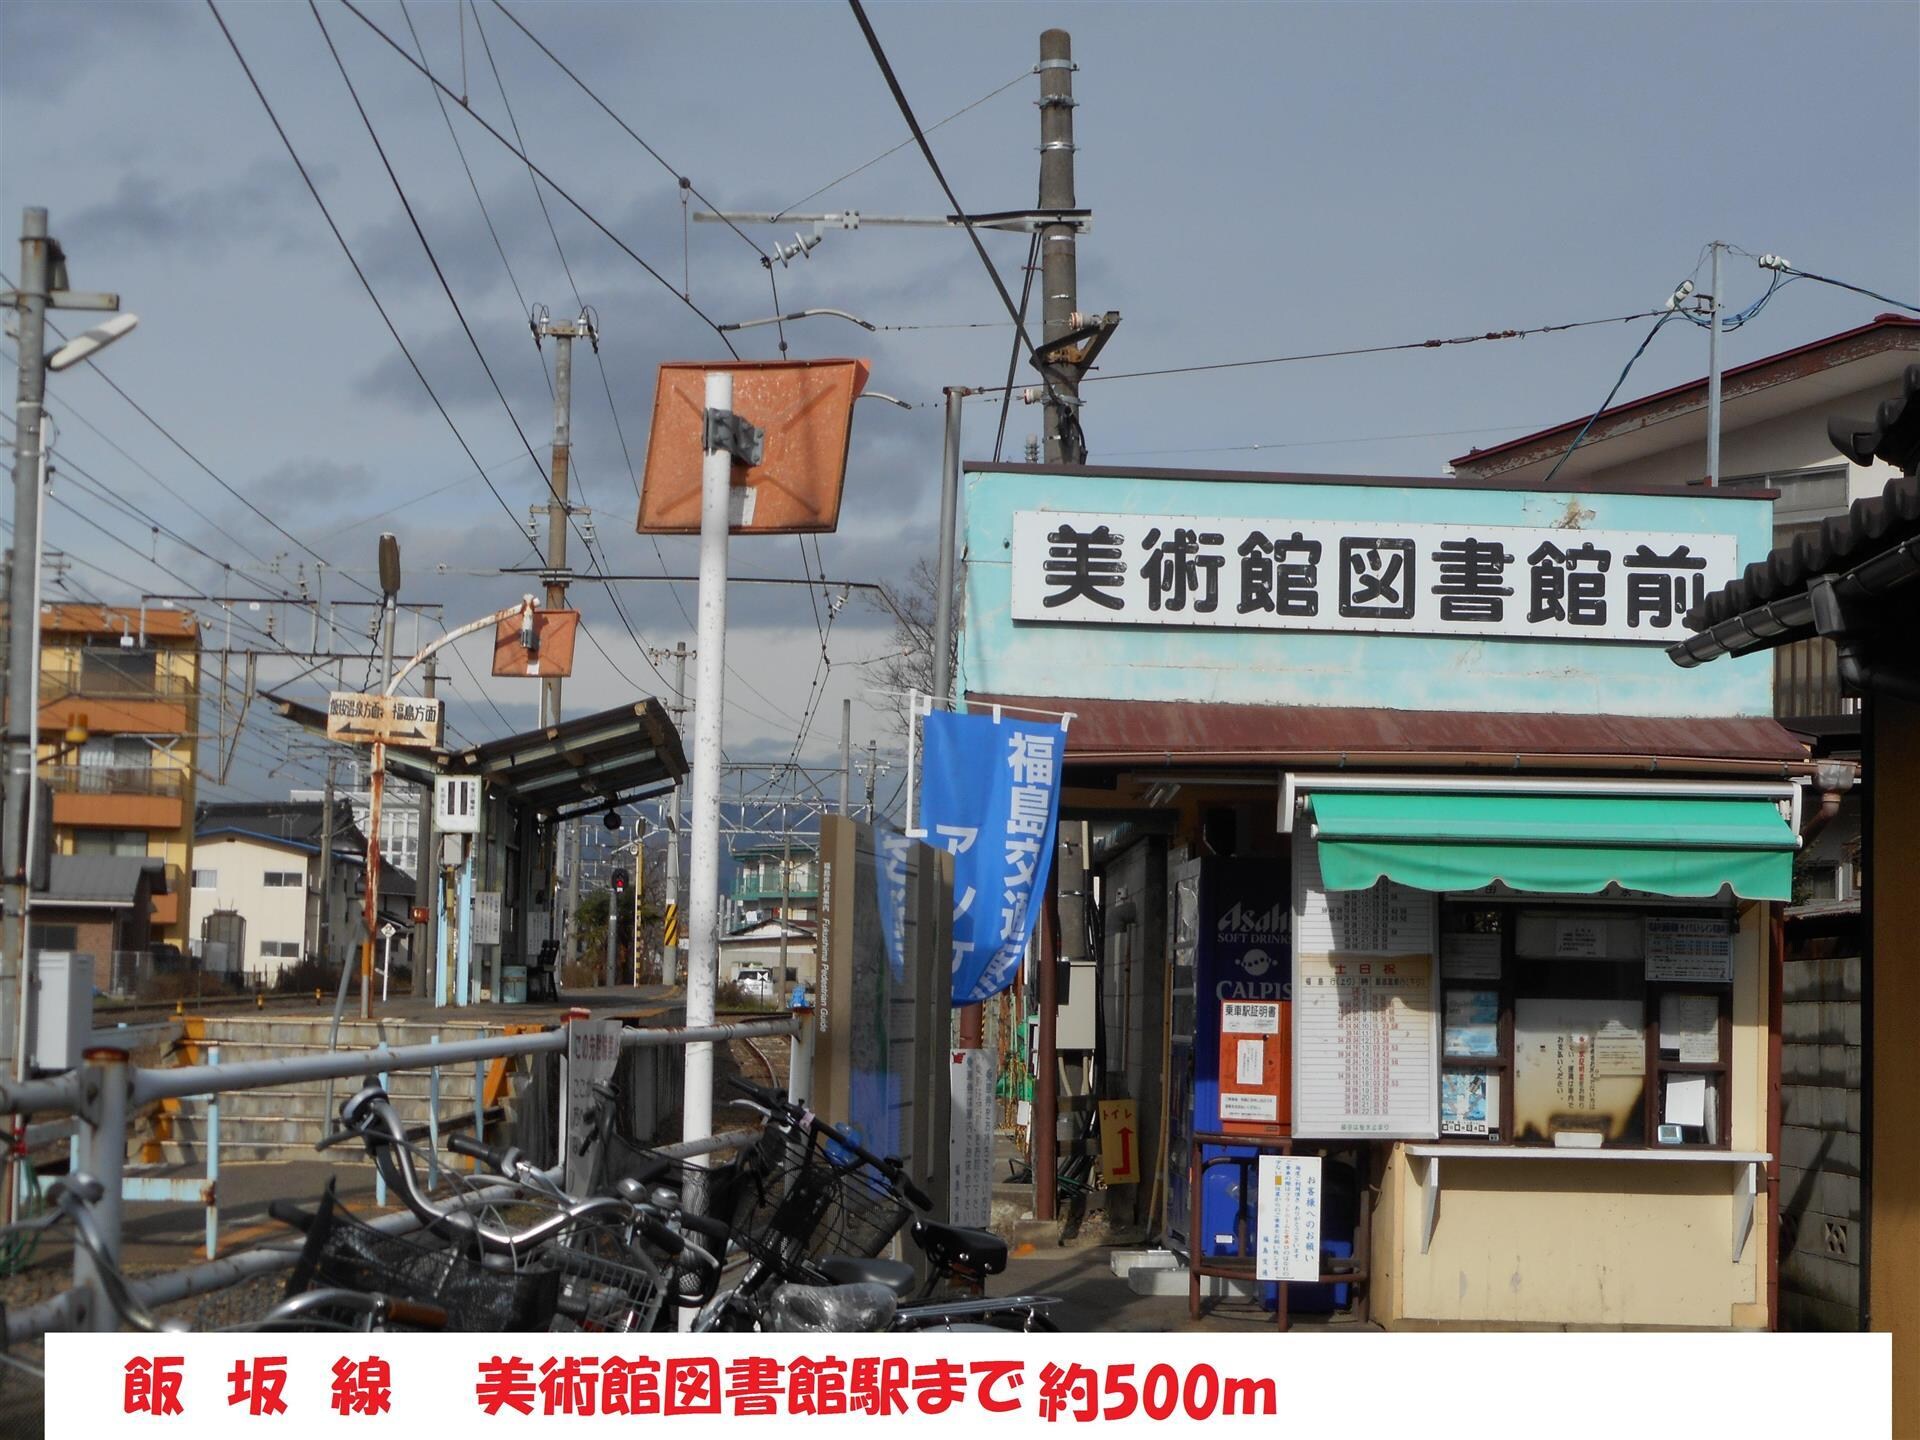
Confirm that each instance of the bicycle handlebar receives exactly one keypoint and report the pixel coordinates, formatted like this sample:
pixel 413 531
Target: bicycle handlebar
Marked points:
pixel 503 1158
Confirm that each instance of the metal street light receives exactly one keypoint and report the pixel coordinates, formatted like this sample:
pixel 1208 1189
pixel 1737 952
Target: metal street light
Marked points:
pixel 89 343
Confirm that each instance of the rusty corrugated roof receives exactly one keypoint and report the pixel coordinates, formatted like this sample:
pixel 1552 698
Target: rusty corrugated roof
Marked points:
pixel 1161 732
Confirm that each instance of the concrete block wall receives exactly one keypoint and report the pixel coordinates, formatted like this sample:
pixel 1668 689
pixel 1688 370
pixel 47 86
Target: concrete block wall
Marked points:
pixel 1822 1222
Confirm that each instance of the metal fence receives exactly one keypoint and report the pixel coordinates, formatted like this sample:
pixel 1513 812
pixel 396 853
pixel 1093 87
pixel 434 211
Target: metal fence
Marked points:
pixel 107 1089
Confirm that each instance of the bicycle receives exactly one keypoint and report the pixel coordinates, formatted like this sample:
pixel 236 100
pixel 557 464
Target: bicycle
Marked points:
pixel 824 1207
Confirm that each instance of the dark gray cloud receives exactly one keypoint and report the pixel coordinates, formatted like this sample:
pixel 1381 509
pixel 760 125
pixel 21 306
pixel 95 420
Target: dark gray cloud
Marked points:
pixel 46 45
pixel 264 204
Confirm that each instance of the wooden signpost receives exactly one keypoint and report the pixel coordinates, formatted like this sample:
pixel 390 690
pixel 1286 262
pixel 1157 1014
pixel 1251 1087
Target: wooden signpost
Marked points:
pixel 385 719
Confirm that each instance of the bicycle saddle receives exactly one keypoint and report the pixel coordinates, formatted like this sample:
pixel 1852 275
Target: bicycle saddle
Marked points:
pixel 893 1275
pixel 955 1247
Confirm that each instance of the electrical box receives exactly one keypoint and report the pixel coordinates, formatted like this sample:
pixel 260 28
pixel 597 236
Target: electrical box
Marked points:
pixel 62 1000
pixel 1073 1026
pixel 456 804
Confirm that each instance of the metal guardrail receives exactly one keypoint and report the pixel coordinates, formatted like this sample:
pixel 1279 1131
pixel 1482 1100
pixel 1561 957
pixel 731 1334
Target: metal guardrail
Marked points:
pixel 106 1089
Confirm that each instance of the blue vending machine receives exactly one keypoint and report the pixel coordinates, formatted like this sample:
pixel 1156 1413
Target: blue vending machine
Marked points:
pixel 1231 1059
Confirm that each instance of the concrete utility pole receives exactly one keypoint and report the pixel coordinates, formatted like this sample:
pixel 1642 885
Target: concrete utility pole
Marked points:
pixel 1059 266
pixel 873 774
pixel 43 286
pixel 557 509
pixel 426 871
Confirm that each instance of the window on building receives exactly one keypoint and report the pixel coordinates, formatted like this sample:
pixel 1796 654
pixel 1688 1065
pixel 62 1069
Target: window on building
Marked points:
pixel 279 949
pixel 55 937
pixel 113 669
pixel 1562 1026
pixel 110 842
pixel 1806 497
pixel 206 879
pixel 284 879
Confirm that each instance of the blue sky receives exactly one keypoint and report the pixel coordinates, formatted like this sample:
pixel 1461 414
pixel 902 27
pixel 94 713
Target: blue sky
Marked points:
pixel 1266 180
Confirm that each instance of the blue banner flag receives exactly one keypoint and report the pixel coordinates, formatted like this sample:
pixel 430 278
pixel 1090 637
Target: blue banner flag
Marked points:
pixel 991 796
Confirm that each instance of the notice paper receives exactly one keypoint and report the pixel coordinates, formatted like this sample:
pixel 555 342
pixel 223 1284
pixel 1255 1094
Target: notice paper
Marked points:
pixel 1470 957
pixel 1250 1062
pixel 1690 1028
pixel 1686 1100
pixel 1618 1050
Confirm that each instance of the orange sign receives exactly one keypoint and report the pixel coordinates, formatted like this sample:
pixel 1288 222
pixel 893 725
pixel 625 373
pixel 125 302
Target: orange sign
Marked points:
pixel 805 408
pixel 1119 1142
pixel 554 633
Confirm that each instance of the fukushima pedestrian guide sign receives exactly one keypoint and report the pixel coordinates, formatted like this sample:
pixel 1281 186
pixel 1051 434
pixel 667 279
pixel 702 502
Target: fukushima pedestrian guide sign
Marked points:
pixel 991 796
pixel 388 719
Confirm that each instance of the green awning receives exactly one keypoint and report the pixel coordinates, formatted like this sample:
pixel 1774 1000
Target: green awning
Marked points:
pixel 1566 844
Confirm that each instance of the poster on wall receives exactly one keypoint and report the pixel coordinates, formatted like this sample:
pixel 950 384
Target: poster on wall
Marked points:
pixel 970 1137
pixel 1579 1071
pixel 1287 1240
pixel 1688 950
pixel 1366 1022
pixel 1469 1102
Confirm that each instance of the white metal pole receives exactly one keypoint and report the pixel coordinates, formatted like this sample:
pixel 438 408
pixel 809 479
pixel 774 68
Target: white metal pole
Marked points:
pixel 1713 373
pixel 703 904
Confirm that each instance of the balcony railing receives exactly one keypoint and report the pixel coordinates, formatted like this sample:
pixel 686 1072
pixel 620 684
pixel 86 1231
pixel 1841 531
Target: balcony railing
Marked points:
pixel 114 780
pixel 106 685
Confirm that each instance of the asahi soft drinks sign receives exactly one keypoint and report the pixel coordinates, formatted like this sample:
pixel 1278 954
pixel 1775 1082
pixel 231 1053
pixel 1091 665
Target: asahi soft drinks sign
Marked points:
pixel 1278 573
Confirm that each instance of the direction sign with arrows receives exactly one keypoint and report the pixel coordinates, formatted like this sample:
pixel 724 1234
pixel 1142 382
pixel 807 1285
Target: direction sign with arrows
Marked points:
pixel 386 719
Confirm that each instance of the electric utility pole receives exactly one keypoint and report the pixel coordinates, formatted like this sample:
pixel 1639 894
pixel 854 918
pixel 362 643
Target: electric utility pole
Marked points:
pixel 557 509
pixel 1059 266
pixel 43 286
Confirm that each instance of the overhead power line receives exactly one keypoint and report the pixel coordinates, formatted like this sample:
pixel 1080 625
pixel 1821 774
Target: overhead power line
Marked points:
pixel 926 150
pixel 557 188
pixel 361 274
pixel 896 149
pixel 1365 349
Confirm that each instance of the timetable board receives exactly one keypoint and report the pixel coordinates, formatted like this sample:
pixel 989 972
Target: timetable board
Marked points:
pixel 1366 1023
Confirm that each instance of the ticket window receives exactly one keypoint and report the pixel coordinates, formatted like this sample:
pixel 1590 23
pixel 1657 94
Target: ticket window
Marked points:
pixel 1256 1045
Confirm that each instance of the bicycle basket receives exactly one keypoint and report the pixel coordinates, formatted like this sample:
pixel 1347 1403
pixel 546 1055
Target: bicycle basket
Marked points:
pixel 346 1252
pixel 810 1204
pixel 606 1284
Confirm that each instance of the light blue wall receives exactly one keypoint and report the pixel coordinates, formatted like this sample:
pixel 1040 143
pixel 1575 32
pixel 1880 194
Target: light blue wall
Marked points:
pixel 1401 672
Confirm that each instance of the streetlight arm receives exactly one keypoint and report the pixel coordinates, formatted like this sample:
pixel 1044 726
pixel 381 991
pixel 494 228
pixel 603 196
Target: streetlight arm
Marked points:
pixel 512 612
pixel 799 315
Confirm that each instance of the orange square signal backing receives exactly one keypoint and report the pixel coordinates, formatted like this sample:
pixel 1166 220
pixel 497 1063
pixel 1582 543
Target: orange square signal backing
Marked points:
pixel 554 634
pixel 805 407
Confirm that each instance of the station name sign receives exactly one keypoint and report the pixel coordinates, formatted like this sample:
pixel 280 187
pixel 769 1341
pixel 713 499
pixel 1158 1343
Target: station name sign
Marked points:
pixel 389 719
pixel 1196 571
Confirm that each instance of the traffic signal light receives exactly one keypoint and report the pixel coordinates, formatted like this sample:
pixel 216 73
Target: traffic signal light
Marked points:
pixel 1893 435
pixel 619 882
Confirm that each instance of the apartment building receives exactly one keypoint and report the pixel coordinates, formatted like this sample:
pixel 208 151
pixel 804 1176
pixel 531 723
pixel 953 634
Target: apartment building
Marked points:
pixel 119 714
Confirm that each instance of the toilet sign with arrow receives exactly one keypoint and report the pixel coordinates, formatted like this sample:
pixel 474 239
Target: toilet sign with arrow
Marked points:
pixel 1119 1143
